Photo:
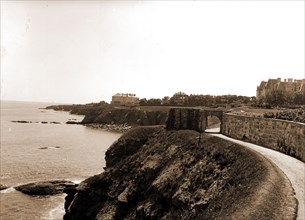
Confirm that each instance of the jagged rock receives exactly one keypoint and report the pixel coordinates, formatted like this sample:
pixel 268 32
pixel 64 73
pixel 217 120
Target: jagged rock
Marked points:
pixel 128 144
pixel 70 190
pixel 45 188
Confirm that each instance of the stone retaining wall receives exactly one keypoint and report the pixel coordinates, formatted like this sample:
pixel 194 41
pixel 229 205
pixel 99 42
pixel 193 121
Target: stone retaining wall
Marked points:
pixel 284 136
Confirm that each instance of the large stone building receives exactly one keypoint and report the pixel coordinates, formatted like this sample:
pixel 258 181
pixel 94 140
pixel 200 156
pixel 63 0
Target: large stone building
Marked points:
pixel 288 86
pixel 125 99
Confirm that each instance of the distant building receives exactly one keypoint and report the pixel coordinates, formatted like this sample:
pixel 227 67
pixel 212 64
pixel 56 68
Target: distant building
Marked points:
pixel 125 99
pixel 288 86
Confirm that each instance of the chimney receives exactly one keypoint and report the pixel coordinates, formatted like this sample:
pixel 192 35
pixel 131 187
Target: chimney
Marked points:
pixel 285 80
pixel 290 80
pixel 279 79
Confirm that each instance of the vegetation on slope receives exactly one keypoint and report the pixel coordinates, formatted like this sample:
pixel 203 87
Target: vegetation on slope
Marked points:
pixel 297 115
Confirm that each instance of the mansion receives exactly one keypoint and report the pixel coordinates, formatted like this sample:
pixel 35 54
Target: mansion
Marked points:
pixel 125 99
pixel 288 86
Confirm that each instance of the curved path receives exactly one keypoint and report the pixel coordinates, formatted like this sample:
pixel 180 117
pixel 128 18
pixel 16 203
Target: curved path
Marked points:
pixel 293 168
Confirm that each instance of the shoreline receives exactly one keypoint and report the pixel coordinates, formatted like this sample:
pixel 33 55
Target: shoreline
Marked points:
pixel 44 140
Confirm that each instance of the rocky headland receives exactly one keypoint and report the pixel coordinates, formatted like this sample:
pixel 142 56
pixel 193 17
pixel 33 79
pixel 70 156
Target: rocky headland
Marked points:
pixel 154 173
pixel 108 117
pixel 169 172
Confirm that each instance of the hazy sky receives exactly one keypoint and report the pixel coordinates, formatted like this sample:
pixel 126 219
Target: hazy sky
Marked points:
pixel 79 52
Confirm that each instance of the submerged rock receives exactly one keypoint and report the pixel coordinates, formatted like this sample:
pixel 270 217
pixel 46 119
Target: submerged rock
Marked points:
pixel 45 188
pixel 54 122
pixel 73 122
pixel 22 122
pixel 43 148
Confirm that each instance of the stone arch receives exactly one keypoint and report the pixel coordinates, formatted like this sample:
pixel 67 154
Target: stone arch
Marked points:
pixel 210 113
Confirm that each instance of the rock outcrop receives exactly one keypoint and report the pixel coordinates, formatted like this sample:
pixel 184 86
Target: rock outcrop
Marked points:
pixel 45 188
pixel 153 173
pixel 3 187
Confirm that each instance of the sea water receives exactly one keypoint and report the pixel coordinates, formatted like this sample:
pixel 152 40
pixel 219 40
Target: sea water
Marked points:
pixel 36 151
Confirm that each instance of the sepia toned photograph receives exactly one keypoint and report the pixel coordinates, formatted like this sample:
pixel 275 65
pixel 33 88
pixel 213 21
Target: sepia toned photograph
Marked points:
pixel 150 109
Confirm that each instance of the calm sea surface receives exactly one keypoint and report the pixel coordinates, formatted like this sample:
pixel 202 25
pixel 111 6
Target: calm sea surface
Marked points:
pixel 71 152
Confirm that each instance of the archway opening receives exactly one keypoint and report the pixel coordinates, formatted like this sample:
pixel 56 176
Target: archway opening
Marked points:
pixel 213 124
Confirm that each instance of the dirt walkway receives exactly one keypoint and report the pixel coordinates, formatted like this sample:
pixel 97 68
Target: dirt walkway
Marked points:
pixel 293 168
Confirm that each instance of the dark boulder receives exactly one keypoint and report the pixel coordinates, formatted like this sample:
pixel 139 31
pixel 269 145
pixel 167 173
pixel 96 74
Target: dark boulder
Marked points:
pixel 45 188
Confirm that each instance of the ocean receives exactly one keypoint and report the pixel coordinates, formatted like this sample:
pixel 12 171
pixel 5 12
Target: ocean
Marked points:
pixel 45 149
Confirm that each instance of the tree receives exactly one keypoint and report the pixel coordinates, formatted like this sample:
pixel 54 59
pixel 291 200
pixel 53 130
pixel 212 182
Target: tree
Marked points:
pixel 143 101
pixel 154 101
pixel 165 100
pixel 299 98
pixel 275 98
pixel 179 98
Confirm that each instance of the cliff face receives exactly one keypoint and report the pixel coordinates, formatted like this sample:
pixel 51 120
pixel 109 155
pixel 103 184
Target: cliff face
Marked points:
pixel 153 173
pixel 128 116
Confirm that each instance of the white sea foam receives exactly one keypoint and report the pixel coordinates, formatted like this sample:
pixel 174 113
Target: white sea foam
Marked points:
pixel 77 181
pixel 56 213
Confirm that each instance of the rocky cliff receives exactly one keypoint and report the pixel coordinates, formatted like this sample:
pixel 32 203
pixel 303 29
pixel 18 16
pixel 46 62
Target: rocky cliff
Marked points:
pixel 126 116
pixel 154 173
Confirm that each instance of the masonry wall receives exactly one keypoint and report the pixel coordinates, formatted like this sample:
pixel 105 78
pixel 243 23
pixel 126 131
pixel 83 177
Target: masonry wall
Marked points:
pixel 184 118
pixel 284 136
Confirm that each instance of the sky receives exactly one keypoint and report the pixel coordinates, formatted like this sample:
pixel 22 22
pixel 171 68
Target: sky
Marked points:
pixel 87 51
